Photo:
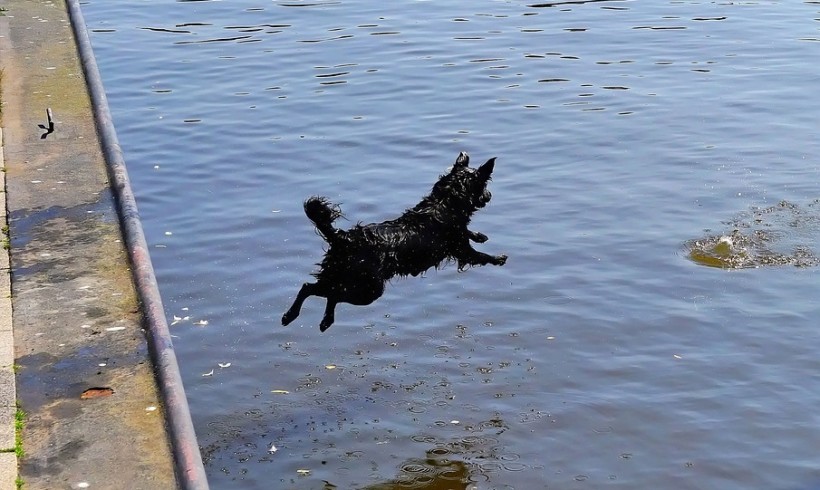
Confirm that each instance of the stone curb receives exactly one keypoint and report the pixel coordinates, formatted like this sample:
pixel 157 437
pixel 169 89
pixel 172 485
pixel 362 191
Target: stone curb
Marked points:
pixel 8 393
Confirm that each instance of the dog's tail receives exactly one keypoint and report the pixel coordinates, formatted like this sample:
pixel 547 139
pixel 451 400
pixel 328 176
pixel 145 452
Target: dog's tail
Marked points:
pixel 323 213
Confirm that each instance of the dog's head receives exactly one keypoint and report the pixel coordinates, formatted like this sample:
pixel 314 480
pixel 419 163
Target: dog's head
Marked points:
pixel 466 184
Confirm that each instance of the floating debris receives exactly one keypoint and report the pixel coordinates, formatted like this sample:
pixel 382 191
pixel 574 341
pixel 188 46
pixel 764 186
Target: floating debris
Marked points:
pixel 280 392
pixel 209 373
pixel 114 329
pixel 303 472
pixel 272 449
pixel 200 323
pixel 97 392
pixel 178 319
pixel 224 364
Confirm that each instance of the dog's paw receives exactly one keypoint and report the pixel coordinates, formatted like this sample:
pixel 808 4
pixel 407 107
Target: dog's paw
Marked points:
pixel 288 317
pixel 500 260
pixel 325 323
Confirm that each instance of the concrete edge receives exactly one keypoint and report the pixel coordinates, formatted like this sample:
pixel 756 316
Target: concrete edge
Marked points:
pixel 187 458
pixel 8 392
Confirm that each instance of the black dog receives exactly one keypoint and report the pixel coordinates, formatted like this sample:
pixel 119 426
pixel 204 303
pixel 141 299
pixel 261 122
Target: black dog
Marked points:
pixel 360 260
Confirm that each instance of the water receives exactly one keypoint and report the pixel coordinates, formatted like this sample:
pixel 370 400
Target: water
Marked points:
pixel 600 354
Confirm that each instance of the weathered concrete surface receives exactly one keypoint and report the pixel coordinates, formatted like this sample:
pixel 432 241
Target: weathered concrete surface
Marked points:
pixel 8 471
pixel 8 396
pixel 75 315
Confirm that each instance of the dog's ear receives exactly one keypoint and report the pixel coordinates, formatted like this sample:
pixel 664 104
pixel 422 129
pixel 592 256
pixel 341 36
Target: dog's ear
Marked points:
pixel 486 170
pixel 462 161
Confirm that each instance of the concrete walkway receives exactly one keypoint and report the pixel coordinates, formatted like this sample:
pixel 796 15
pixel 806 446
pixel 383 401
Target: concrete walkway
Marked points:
pixel 93 418
pixel 8 396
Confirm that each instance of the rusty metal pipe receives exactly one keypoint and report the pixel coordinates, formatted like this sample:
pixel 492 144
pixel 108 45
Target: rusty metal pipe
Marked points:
pixel 187 459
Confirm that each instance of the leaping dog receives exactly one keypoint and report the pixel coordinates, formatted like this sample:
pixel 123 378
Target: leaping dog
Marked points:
pixel 359 261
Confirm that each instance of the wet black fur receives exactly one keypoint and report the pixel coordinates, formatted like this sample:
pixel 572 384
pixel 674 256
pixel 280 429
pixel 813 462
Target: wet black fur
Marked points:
pixel 359 261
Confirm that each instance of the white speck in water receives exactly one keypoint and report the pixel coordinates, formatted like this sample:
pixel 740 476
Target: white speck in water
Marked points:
pixel 178 319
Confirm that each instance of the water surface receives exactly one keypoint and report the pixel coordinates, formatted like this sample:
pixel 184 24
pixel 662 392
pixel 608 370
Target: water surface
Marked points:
pixel 600 354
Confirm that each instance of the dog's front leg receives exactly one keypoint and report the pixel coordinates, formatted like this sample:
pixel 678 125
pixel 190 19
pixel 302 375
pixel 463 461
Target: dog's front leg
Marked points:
pixel 477 236
pixel 330 315
pixel 471 256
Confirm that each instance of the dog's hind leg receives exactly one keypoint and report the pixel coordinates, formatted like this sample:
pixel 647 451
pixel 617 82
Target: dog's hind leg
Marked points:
pixel 308 289
pixel 330 315
pixel 360 288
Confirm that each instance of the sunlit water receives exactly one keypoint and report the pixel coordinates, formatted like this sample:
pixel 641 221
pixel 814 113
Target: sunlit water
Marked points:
pixel 602 353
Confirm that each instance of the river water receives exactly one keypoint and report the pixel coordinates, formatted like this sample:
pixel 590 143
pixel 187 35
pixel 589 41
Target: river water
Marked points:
pixel 605 352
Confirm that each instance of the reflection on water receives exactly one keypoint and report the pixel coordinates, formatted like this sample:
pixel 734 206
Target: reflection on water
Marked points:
pixel 467 462
pixel 437 471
